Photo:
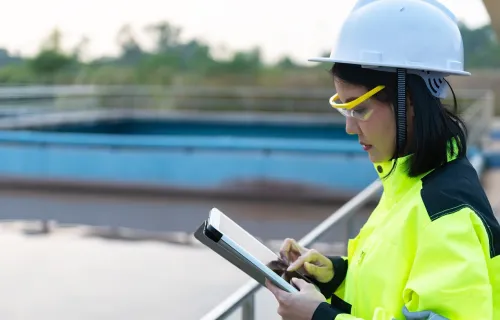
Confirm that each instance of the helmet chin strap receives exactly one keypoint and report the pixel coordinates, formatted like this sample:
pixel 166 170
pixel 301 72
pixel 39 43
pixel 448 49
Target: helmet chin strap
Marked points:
pixel 401 112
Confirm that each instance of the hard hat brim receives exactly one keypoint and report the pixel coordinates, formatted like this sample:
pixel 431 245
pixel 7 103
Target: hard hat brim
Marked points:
pixel 444 72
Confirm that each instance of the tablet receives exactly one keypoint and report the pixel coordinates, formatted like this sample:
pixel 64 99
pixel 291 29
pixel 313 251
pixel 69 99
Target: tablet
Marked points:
pixel 243 250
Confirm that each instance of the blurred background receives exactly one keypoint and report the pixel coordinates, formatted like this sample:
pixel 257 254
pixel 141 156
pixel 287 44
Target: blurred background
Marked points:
pixel 123 123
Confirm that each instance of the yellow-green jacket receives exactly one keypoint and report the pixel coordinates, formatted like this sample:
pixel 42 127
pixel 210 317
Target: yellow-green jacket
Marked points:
pixel 430 250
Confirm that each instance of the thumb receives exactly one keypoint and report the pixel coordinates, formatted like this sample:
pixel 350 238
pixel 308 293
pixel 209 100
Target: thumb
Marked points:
pixel 300 283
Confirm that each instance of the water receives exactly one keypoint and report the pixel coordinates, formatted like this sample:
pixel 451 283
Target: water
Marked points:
pixel 208 128
pixel 263 156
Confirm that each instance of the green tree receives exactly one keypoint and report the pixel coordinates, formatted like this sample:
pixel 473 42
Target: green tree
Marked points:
pixel 131 50
pixel 166 36
pixel 286 63
pixel 51 59
pixel 80 50
pixel 481 48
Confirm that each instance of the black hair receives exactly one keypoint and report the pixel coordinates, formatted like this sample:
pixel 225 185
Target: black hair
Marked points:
pixel 433 124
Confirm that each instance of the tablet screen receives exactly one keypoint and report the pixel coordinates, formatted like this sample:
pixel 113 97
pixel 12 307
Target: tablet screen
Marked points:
pixel 250 244
pixel 239 235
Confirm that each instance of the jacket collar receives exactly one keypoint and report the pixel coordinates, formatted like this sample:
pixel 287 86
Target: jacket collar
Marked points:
pixel 397 183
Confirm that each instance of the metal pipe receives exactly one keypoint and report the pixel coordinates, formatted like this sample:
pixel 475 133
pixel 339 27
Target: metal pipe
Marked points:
pixel 248 310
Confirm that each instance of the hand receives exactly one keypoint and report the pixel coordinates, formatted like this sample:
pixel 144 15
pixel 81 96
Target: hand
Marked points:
pixel 309 260
pixel 300 305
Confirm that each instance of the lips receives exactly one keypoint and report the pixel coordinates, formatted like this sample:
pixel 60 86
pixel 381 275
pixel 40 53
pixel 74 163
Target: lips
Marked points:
pixel 365 146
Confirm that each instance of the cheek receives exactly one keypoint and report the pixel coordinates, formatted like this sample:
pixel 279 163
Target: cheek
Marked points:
pixel 380 130
pixel 375 130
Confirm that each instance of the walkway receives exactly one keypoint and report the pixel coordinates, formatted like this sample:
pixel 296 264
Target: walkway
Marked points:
pixel 64 276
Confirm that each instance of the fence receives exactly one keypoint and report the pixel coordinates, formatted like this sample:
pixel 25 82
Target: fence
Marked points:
pixel 21 100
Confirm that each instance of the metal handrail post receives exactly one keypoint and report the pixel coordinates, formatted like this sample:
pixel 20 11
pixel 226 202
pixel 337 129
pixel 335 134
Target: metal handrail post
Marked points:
pixel 248 310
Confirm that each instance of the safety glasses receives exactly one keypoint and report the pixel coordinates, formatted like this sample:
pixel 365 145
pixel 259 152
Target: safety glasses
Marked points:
pixel 354 108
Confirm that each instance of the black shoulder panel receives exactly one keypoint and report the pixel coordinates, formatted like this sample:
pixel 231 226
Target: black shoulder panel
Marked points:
pixel 454 186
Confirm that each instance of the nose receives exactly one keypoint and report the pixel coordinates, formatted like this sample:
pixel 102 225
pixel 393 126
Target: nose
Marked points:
pixel 351 126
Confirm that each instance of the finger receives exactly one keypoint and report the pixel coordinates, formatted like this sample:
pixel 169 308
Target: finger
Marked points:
pixel 285 249
pixel 281 296
pixel 310 256
pixel 300 283
pixel 312 269
pixel 293 255
pixel 271 287
pixel 277 292
pixel 296 247
pixel 290 250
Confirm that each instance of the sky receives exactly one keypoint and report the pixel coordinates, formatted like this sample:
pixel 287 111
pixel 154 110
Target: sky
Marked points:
pixel 295 28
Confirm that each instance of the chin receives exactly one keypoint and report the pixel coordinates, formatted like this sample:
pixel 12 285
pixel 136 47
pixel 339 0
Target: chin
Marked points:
pixel 376 158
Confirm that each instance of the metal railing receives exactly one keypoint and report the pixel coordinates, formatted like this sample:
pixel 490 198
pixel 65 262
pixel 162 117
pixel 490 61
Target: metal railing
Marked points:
pixel 244 296
pixel 478 118
pixel 235 98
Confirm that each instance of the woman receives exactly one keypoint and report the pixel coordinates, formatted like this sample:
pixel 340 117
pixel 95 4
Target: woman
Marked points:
pixel 431 247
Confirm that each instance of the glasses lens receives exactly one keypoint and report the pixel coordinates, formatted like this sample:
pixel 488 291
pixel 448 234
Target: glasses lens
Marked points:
pixel 344 112
pixel 360 114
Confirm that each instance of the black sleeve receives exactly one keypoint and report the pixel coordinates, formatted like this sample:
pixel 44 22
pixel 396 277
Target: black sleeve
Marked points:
pixel 340 271
pixel 325 312
pixel 337 305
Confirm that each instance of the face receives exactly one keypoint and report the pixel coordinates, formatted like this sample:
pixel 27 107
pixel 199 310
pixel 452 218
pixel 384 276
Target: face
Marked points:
pixel 377 134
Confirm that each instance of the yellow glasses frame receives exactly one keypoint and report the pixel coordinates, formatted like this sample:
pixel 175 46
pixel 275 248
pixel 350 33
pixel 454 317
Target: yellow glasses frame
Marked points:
pixel 355 102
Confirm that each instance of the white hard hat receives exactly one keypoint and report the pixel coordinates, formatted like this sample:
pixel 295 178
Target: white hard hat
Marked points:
pixel 421 36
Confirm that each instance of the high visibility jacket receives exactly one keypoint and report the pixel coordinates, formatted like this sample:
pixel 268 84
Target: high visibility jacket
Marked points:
pixel 430 249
